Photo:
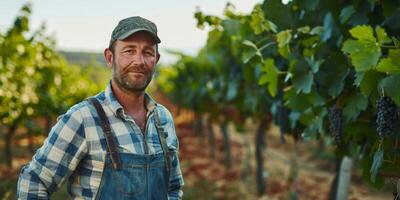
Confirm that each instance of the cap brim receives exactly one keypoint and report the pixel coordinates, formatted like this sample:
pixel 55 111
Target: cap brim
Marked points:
pixel 129 33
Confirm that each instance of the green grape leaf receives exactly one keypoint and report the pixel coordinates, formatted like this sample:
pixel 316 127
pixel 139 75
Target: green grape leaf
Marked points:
pixel 358 130
pixel 376 164
pixel 294 118
pixel 364 54
pixel 284 38
pixel 394 55
pixel 346 13
pixel 248 55
pixel 332 74
pixel 366 163
pixel 328 27
pixel 315 125
pixel 302 76
pixel 387 65
pixel 362 32
pixel 293 101
pixel 370 81
pixel 258 23
pixel 318 30
pixel 308 42
pixel 359 18
pixel 271 76
pixel 257 20
pixel 390 86
pixel 231 26
pixel 304 29
pixel 263 79
pixel 250 44
pixel 382 36
pixel 279 13
pixel 308 52
pixel 310 132
pixel 359 76
pixel 300 102
pixel 354 104
pixel 271 26
pixel 396 42
pixel 314 64
pixel 284 51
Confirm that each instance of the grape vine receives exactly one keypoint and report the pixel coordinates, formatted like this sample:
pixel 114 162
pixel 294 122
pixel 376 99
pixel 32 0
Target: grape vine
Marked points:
pixel 331 60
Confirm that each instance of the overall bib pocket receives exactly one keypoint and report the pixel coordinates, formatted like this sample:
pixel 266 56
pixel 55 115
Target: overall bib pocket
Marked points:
pixel 130 182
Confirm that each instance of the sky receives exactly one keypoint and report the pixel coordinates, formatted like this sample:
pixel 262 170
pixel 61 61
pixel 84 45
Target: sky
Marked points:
pixel 86 25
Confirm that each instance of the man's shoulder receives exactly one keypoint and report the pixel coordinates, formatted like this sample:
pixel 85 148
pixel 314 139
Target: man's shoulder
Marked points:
pixel 164 113
pixel 81 108
pixel 164 110
pixel 74 111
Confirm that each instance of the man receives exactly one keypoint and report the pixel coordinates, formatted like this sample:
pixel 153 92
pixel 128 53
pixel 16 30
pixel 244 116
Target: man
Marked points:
pixel 119 144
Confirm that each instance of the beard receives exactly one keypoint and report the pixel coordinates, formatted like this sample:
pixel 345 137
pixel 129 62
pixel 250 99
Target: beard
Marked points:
pixel 129 82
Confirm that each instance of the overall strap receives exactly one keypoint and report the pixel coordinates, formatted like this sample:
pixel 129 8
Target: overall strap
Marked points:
pixel 108 134
pixel 162 135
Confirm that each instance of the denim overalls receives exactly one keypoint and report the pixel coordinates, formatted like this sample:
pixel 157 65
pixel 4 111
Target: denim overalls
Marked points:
pixel 133 176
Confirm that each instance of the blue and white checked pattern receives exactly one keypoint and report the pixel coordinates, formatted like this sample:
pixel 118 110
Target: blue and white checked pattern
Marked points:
pixel 76 149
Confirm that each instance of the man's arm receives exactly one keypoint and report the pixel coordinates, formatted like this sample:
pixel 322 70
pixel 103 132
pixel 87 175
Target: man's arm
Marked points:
pixel 175 180
pixel 55 160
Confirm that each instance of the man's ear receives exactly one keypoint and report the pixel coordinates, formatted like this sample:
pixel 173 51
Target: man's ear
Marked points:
pixel 158 57
pixel 109 57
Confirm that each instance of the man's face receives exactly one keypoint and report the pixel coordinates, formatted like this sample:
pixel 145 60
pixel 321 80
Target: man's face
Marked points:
pixel 134 61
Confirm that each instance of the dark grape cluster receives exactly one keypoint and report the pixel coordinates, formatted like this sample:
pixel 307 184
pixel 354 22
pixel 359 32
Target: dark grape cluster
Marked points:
pixel 336 121
pixel 386 116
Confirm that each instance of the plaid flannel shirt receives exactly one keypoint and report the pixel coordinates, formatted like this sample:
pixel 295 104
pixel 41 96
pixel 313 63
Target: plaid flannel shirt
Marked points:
pixel 76 149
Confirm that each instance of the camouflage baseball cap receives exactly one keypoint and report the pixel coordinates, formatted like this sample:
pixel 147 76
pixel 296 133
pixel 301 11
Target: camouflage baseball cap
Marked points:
pixel 131 25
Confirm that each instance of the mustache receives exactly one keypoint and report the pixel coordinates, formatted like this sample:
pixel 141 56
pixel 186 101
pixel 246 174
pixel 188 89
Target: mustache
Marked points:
pixel 138 68
pixel 135 69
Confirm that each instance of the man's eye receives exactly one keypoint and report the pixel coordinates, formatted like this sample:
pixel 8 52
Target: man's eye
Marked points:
pixel 128 51
pixel 149 53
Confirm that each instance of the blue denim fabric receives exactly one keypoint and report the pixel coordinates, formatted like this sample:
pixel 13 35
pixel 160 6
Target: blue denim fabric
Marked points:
pixel 140 177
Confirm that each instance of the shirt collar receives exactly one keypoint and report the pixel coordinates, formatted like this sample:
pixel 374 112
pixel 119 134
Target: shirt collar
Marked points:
pixel 118 109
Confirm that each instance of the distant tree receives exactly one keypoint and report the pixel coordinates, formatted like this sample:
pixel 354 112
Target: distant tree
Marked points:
pixel 35 81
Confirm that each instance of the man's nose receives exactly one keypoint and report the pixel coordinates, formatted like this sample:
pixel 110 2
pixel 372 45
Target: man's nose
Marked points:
pixel 138 59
